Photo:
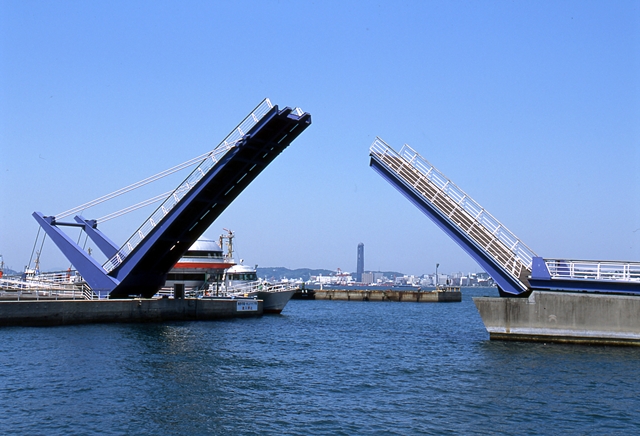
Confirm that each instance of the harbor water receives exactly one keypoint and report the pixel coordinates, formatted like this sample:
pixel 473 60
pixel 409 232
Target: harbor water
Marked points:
pixel 322 367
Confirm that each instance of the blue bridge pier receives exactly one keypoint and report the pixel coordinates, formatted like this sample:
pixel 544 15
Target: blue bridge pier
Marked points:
pixel 541 299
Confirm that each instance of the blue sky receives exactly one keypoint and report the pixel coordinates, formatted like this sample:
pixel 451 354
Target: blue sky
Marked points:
pixel 532 108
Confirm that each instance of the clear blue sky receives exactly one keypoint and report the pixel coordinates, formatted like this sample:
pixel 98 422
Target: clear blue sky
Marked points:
pixel 532 108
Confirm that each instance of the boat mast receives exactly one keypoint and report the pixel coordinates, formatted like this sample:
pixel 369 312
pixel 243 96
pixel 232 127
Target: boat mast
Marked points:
pixel 229 237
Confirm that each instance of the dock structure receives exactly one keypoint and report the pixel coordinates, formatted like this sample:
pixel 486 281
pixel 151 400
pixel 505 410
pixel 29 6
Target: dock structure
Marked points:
pixel 448 295
pixel 66 312
pixel 138 268
pixel 517 270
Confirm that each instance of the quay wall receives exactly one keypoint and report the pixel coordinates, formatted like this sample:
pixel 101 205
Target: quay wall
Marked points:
pixel 563 317
pixel 389 295
pixel 65 312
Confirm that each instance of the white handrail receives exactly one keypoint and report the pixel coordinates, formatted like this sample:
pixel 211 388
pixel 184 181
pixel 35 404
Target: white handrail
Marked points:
pixel 593 270
pixel 458 199
pixel 251 287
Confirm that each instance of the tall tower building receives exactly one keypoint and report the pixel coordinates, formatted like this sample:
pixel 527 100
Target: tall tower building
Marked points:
pixel 360 266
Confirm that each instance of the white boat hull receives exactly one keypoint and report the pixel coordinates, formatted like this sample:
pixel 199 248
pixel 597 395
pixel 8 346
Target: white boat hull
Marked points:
pixel 273 302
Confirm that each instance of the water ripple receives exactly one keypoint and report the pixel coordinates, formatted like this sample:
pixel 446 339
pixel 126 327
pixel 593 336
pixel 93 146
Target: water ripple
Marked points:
pixel 322 367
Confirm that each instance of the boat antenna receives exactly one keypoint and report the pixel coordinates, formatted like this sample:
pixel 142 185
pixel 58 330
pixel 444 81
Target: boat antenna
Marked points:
pixel 229 237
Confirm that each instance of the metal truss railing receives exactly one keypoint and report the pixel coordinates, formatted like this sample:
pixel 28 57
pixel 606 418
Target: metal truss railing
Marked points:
pixel 244 289
pixel 63 285
pixel 207 164
pixel 593 270
pixel 481 228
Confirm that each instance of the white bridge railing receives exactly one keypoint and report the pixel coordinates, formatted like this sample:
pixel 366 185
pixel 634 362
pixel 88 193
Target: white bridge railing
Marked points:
pixel 57 285
pixel 456 206
pixel 207 164
pixel 593 270
pixel 258 286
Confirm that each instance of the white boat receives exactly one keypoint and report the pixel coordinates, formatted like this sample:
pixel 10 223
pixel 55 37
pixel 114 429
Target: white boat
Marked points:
pixel 242 281
pixel 205 271
pixel 202 266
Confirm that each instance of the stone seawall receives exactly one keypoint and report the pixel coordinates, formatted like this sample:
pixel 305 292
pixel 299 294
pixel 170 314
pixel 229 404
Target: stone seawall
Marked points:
pixel 389 295
pixel 61 312
pixel 563 317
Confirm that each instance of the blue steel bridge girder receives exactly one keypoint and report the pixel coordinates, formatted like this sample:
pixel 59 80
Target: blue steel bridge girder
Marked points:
pixel 144 270
pixel 506 283
pixel 104 244
pixel 516 269
pixel 93 273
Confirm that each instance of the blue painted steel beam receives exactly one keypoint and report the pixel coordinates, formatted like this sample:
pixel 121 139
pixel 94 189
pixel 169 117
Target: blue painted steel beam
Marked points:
pixel 507 285
pixel 144 271
pixel 92 272
pixel 106 245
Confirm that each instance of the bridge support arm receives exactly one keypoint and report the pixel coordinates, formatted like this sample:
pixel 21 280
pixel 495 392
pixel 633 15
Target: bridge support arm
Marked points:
pixel 106 245
pixel 539 270
pixel 91 271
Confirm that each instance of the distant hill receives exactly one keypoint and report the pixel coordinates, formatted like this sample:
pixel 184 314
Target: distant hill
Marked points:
pixel 278 273
pixel 10 272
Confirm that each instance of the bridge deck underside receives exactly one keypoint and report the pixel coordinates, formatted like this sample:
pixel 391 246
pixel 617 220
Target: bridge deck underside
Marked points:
pixel 144 271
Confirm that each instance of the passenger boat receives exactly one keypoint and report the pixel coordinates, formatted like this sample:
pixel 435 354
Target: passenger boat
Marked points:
pixel 202 266
pixel 205 271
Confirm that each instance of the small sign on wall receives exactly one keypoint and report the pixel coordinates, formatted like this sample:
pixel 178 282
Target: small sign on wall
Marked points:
pixel 247 306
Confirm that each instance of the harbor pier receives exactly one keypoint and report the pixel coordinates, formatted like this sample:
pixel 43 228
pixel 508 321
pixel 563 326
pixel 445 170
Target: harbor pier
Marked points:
pixel 448 295
pixel 139 310
pixel 569 317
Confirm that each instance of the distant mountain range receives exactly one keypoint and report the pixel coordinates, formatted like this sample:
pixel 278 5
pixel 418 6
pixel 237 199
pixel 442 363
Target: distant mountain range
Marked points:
pixel 10 272
pixel 279 273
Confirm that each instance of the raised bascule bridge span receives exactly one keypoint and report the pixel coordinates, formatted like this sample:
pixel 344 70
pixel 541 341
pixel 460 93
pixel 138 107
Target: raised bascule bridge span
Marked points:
pixel 516 269
pixel 140 265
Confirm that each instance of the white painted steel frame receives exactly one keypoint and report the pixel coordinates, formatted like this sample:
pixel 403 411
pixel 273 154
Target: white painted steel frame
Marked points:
pixel 593 270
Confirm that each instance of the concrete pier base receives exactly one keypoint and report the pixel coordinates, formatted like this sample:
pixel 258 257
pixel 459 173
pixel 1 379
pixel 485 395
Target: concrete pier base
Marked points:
pixel 389 295
pixel 61 312
pixel 584 318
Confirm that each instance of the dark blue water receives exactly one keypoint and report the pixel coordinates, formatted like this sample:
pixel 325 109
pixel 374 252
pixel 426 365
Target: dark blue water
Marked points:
pixel 322 367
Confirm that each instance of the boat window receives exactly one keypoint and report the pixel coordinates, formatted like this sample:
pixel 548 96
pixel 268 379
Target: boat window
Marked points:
pixel 243 276
pixel 203 253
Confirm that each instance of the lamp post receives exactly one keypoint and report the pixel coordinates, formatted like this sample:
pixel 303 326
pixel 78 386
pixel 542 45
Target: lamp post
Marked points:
pixel 437 265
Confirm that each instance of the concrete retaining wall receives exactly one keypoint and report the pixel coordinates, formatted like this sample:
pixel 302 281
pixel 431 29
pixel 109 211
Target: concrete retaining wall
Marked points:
pixel 563 317
pixel 411 296
pixel 48 313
